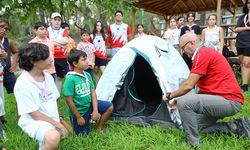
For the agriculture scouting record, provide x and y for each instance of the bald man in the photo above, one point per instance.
(219, 94)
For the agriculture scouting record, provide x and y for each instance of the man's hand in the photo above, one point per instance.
(80, 121)
(166, 97)
(173, 104)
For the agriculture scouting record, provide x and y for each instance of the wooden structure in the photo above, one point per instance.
(168, 8)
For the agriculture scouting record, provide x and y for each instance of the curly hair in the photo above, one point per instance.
(31, 53)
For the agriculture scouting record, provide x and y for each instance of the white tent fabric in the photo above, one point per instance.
(168, 66)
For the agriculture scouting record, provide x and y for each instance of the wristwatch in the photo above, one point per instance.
(168, 95)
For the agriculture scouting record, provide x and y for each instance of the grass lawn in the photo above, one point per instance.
(121, 135)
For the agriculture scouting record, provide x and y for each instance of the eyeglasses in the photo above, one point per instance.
(183, 47)
(4, 27)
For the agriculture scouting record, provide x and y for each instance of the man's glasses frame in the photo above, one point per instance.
(183, 47)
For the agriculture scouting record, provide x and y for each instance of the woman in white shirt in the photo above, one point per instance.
(172, 35)
(140, 30)
(213, 36)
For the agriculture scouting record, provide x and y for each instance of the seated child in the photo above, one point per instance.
(80, 95)
(36, 96)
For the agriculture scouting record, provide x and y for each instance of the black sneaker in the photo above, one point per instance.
(244, 88)
(243, 127)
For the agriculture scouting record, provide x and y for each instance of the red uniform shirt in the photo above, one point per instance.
(218, 77)
(118, 34)
(59, 52)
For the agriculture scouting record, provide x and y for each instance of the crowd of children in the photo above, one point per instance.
(53, 54)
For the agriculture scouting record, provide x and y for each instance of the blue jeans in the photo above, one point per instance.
(102, 108)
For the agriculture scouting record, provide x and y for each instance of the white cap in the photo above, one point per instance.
(55, 14)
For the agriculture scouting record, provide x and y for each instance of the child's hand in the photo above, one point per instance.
(95, 116)
(80, 121)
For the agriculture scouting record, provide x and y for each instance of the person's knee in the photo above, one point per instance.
(180, 104)
(52, 138)
(110, 109)
(246, 63)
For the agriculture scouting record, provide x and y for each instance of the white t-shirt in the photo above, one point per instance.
(172, 36)
(31, 97)
(212, 38)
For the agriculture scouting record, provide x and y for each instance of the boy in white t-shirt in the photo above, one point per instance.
(36, 95)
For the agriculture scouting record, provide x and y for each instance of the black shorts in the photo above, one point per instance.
(100, 62)
(61, 67)
(243, 51)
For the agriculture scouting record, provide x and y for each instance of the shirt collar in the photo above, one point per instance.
(197, 50)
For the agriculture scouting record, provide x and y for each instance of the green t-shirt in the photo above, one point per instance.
(79, 87)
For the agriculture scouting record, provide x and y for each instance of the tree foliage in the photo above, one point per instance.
(22, 14)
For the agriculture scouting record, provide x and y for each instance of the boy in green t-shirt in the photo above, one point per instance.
(81, 98)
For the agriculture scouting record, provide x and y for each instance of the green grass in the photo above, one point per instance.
(121, 135)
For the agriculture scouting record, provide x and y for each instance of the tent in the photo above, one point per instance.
(137, 76)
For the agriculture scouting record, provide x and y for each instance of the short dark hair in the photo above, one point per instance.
(191, 13)
(74, 56)
(64, 25)
(40, 24)
(139, 25)
(180, 18)
(119, 11)
(84, 31)
(31, 53)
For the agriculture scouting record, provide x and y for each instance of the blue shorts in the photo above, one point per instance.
(54, 76)
(102, 108)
